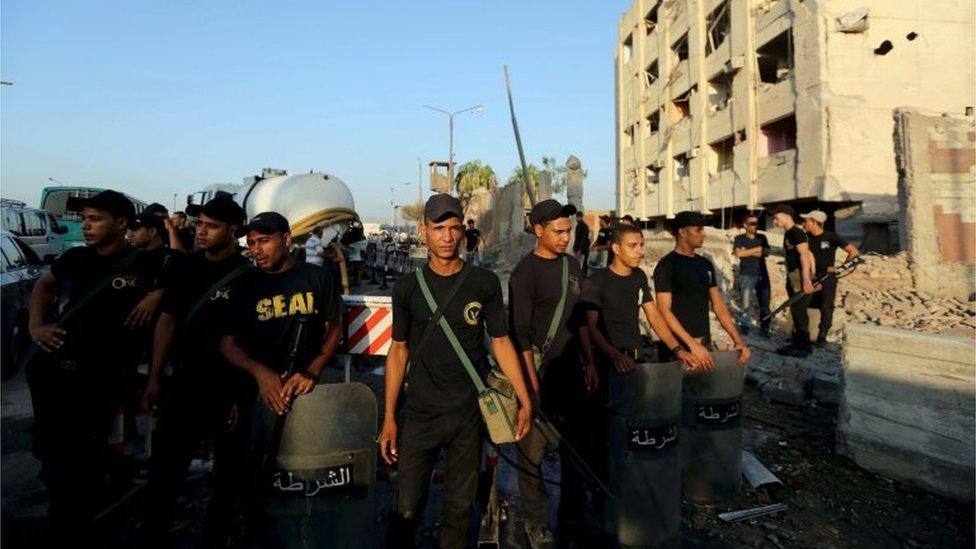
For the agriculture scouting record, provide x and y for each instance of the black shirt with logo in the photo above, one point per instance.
(471, 237)
(824, 248)
(581, 241)
(618, 299)
(97, 331)
(534, 291)
(687, 279)
(437, 381)
(793, 238)
(266, 310)
(752, 266)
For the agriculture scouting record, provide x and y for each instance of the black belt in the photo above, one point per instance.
(636, 354)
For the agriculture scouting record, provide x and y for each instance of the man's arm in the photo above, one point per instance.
(394, 374)
(590, 375)
(172, 237)
(725, 319)
(41, 304)
(508, 362)
(302, 382)
(806, 266)
(162, 340)
(621, 362)
(660, 327)
(697, 349)
(851, 251)
(741, 252)
(520, 303)
(268, 380)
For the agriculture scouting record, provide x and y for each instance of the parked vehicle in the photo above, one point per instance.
(20, 268)
(36, 228)
(55, 200)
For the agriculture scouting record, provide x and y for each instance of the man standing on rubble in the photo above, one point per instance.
(752, 248)
(440, 409)
(581, 242)
(799, 279)
(824, 245)
(685, 286)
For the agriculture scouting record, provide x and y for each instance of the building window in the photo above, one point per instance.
(628, 48)
(653, 123)
(650, 20)
(682, 105)
(718, 25)
(777, 136)
(681, 167)
(629, 137)
(651, 73)
(680, 48)
(719, 92)
(721, 155)
(775, 58)
(652, 175)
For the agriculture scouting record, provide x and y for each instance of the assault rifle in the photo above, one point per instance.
(841, 271)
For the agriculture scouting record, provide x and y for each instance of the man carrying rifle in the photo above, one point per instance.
(799, 279)
(269, 307)
(823, 246)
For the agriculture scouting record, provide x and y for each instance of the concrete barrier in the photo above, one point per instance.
(908, 406)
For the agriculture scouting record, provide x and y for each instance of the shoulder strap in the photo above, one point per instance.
(442, 322)
(98, 288)
(216, 286)
(557, 315)
(439, 312)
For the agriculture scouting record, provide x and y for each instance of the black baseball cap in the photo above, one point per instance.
(148, 220)
(222, 208)
(548, 210)
(110, 201)
(156, 208)
(267, 223)
(783, 208)
(442, 206)
(689, 219)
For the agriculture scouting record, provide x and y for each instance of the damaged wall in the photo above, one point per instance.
(937, 191)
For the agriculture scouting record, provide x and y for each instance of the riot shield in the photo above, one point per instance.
(711, 431)
(322, 492)
(644, 469)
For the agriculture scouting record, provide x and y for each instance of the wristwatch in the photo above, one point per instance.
(307, 375)
(677, 349)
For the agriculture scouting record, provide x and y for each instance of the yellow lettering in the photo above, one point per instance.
(297, 305)
(310, 302)
(264, 309)
(279, 306)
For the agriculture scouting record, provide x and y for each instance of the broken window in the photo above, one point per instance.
(653, 123)
(718, 24)
(719, 92)
(652, 175)
(651, 73)
(721, 156)
(778, 136)
(682, 105)
(629, 137)
(680, 48)
(628, 48)
(681, 169)
(775, 58)
(650, 20)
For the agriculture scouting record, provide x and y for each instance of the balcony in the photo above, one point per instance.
(680, 81)
(720, 125)
(715, 62)
(681, 135)
(776, 100)
(768, 16)
(776, 177)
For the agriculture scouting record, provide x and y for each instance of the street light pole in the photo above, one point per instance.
(420, 181)
(479, 109)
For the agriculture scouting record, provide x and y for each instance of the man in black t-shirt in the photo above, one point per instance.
(601, 247)
(799, 277)
(824, 245)
(472, 243)
(685, 286)
(75, 377)
(581, 242)
(752, 248)
(183, 231)
(198, 399)
(440, 409)
(552, 365)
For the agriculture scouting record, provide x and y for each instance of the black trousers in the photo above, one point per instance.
(74, 404)
(827, 295)
(801, 320)
(421, 440)
(193, 410)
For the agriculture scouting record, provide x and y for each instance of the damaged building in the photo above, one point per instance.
(732, 105)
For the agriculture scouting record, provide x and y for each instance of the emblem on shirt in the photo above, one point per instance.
(280, 306)
(124, 281)
(220, 294)
(471, 313)
(574, 285)
(825, 245)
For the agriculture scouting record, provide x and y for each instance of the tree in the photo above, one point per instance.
(471, 176)
(413, 212)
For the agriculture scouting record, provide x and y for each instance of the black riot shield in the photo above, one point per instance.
(711, 431)
(644, 469)
(321, 494)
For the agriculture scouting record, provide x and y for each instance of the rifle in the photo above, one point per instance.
(271, 458)
(841, 271)
(554, 437)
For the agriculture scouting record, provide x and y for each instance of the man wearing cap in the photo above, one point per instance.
(685, 286)
(472, 244)
(172, 238)
(752, 248)
(440, 409)
(76, 376)
(202, 397)
(799, 277)
(550, 349)
(824, 245)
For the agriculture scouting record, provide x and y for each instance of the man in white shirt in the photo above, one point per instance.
(313, 249)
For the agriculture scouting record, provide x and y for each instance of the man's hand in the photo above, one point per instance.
(48, 336)
(831, 269)
(808, 287)
(591, 377)
(690, 361)
(232, 416)
(300, 383)
(170, 227)
(269, 387)
(705, 361)
(623, 363)
(388, 441)
(744, 352)
(150, 397)
(524, 422)
(143, 312)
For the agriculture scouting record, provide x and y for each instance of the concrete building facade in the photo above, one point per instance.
(728, 105)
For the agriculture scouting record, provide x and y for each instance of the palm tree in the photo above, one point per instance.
(474, 175)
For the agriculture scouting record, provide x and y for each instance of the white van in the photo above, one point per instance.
(36, 228)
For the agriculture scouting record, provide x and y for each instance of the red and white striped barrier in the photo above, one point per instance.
(368, 325)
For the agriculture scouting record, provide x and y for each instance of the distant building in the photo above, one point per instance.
(728, 105)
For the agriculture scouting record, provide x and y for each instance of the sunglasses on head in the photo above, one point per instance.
(752, 223)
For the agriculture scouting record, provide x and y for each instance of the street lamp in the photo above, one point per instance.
(478, 109)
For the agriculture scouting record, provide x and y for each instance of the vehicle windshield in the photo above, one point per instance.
(56, 201)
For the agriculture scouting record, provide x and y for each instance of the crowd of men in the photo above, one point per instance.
(217, 331)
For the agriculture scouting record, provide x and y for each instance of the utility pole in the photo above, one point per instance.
(420, 181)
(479, 109)
(526, 177)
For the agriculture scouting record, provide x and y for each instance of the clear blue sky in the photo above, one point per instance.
(157, 98)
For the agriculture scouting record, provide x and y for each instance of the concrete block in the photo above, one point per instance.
(825, 388)
(908, 408)
(785, 391)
